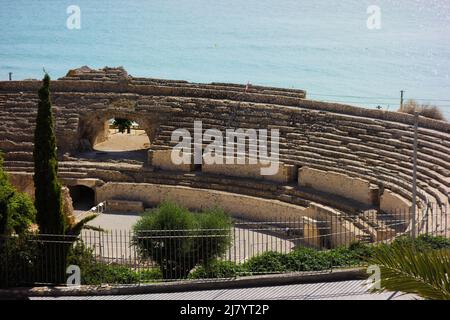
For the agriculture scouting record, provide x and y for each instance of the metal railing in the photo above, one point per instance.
(248, 247)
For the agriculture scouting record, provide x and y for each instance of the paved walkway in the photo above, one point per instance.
(345, 290)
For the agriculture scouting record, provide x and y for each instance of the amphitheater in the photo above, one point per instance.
(341, 161)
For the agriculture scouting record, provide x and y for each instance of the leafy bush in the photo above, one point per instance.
(112, 274)
(6, 193)
(216, 269)
(17, 211)
(23, 212)
(425, 242)
(307, 259)
(95, 272)
(18, 261)
(178, 240)
(360, 250)
(150, 275)
(355, 254)
(300, 259)
(266, 263)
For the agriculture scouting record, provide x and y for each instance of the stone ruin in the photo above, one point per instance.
(336, 160)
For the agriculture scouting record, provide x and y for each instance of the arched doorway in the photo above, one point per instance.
(101, 138)
(83, 198)
(122, 134)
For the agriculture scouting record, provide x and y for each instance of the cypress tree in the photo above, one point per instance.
(48, 201)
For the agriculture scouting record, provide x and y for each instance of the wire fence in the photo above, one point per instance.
(296, 244)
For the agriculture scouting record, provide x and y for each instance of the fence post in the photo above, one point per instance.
(3, 247)
(414, 189)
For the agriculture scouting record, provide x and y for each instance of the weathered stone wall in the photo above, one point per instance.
(284, 174)
(124, 206)
(161, 159)
(394, 203)
(355, 189)
(199, 199)
(23, 182)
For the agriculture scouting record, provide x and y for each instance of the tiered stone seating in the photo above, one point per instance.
(372, 145)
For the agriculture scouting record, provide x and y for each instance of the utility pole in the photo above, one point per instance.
(414, 190)
(401, 100)
(10, 76)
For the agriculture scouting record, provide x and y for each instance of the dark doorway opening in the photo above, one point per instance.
(83, 198)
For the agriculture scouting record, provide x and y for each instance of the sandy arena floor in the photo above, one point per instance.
(117, 141)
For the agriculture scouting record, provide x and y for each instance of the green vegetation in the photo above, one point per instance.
(50, 217)
(17, 211)
(217, 269)
(425, 110)
(418, 270)
(95, 273)
(424, 242)
(307, 259)
(300, 259)
(17, 214)
(122, 124)
(18, 263)
(201, 237)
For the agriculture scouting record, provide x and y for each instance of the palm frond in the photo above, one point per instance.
(88, 227)
(405, 269)
(82, 224)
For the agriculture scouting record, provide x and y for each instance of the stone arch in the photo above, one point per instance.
(93, 129)
(83, 197)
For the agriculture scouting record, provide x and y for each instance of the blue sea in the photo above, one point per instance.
(324, 47)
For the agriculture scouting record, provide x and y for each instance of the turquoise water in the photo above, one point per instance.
(321, 46)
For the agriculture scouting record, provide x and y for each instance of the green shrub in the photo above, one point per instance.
(95, 272)
(360, 250)
(355, 254)
(216, 269)
(150, 275)
(18, 260)
(178, 240)
(424, 242)
(17, 211)
(23, 212)
(307, 259)
(6, 193)
(267, 262)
